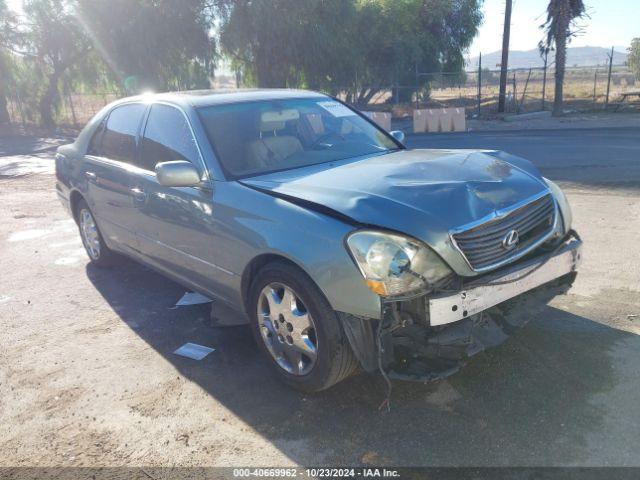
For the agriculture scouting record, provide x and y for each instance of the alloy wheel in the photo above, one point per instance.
(287, 329)
(89, 232)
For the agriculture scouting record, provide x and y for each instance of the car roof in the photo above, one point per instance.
(205, 98)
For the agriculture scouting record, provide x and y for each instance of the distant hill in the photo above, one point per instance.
(576, 56)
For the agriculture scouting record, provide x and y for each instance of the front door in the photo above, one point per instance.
(175, 224)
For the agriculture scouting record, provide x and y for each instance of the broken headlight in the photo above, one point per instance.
(393, 264)
(563, 204)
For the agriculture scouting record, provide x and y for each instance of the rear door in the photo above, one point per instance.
(110, 157)
(174, 224)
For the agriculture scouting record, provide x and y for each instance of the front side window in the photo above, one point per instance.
(253, 138)
(118, 140)
(167, 137)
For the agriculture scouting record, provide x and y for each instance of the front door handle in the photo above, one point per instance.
(90, 175)
(139, 194)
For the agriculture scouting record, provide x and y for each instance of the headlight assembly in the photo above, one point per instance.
(393, 264)
(563, 204)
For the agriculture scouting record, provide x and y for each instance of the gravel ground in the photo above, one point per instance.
(88, 377)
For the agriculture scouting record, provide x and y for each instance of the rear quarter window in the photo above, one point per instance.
(94, 143)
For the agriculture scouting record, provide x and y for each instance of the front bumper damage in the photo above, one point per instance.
(430, 337)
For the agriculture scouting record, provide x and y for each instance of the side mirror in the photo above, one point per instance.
(398, 135)
(179, 173)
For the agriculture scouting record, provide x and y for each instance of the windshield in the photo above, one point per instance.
(253, 138)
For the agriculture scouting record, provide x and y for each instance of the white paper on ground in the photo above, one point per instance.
(194, 351)
(192, 298)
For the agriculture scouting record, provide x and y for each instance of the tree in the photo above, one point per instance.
(263, 37)
(633, 59)
(134, 44)
(8, 38)
(55, 38)
(362, 46)
(152, 44)
(560, 26)
(5, 75)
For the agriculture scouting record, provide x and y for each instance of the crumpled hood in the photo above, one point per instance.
(422, 193)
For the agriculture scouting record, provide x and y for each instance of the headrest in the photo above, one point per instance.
(270, 126)
(275, 120)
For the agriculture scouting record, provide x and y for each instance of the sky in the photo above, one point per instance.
(612, 23)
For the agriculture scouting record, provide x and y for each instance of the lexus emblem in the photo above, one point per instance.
(510, 240)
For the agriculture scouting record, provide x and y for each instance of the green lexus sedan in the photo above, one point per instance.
(297, 215)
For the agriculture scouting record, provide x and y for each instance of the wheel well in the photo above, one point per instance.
(74, 201)
(256, 265)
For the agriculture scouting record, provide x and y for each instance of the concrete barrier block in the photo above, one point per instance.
(446, 120)
(433, 120)
(419, 121)
(426, 120)
(439, 120)
(459, 120)
(383, 119)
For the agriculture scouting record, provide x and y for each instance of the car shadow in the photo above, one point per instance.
(529, 401)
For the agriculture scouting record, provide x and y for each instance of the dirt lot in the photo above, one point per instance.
(88, 377)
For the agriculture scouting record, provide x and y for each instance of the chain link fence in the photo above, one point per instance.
(74, 109)
(528, 90)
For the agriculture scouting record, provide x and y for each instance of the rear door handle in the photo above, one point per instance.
(139, 194)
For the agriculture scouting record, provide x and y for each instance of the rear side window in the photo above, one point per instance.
(94, 144)
(167, 137)
(118, 140)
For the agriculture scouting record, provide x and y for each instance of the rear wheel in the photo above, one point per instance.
(297, 329)
(99, 254)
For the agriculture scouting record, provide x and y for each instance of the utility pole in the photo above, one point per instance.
(544, 78)
(417, 87)
(606, 100)
(505, 56)
(479, 83)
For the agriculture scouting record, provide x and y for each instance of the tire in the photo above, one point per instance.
(99, 254)
(334, 360)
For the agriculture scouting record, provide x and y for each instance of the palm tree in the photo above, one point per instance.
(560, 26)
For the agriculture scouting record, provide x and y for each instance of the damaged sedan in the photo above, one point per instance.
(342, 249)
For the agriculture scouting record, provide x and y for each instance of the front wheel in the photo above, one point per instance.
(298, 330)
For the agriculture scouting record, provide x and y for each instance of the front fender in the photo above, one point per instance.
(250, 223)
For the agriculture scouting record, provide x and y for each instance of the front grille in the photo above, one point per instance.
(483, 245)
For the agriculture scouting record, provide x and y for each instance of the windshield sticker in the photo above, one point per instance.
(336, 109)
